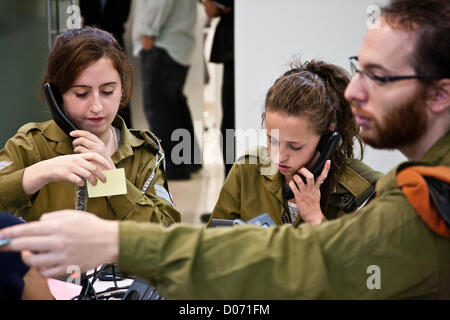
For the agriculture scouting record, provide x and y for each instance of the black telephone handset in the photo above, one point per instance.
(54, 101)
(326, 147)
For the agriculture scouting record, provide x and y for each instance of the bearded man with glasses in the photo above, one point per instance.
(398, 246)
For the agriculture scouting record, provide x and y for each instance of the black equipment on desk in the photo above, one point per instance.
(141, 290)
(263, 220)
(138, 290)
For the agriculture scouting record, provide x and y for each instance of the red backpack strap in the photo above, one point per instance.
(412, 181)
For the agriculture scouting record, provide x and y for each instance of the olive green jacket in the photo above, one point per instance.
(383, 251)
(254, 186)
(137, 154)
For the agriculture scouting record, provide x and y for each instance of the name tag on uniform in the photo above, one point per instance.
(115, 184)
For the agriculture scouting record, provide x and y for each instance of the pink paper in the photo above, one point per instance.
(63, 290)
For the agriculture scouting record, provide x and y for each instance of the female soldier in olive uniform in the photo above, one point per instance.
(41, 168)
(304, 104)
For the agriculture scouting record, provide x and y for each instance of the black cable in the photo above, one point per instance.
(90, 285)
(114, 275)
(112, 292)
(118, 292)
(97, 274)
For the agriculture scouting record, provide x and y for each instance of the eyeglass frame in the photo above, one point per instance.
(386, 79)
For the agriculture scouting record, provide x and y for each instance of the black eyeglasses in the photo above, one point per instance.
(354, 67)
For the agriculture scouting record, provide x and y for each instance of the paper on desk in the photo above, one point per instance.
(115, 184)
(63, 290)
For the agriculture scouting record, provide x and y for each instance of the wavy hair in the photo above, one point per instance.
(316, 89)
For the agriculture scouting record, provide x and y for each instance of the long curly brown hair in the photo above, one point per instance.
(316, 89)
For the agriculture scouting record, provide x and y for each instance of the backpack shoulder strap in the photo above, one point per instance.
(427, 189)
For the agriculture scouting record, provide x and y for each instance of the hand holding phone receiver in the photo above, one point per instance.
(326, 147)
(54, 101)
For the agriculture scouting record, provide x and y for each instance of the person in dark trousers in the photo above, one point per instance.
(222, 51)
(111, 16)
(164, 39)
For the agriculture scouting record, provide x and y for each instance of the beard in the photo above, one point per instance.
(403, 125)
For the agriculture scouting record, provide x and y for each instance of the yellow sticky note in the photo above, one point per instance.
(115, 184)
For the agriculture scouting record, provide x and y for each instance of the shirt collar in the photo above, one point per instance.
(439, 150)
(54, 133)
(273, 179)
(128, 141)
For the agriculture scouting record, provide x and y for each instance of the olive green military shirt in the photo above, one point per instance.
(254, 186)
(138, 154)
(383, 251)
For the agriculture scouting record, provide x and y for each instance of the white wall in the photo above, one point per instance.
(268, 34)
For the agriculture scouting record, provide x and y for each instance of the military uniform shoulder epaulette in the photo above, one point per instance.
(353, 188)
(259, 154)
(150, 139)
(365, 171)
(40, 126)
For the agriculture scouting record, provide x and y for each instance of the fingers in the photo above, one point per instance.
(81, 149)
(296, 185)
(75, 168)
(75, 179)
(305, 179)
(36, 228)
(34, 236)
(48, 264)
(41, 259)
(92, 156)
(90, 167)
(85, 134)
(309, 177)
(89, 176)
(323, 175)
(294, 188)
(89, 145)
(32, 243)
(55, 242)
(59, 215)
(90, 172)
(25, 254)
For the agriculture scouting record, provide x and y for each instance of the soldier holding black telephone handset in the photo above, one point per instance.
(307, 173)
(44, 166)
